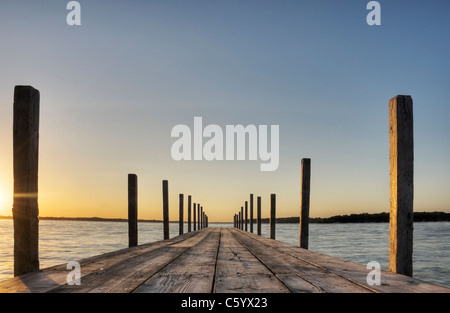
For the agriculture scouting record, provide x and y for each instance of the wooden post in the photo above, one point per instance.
(181, 222)
(132, 210)
(198, 216)
(200, 220)
(203, 219)
(207, 221)
(272, 215)
(242, 218)
(25, 159)
(195, 212)
(258, 213)
(246, 215)
(251, 213)
(189, 213)
(304, 202)
(401, 139)
(166, 209)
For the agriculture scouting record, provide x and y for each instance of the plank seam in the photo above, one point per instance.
(320, 267)
(213, 287)
(162, 268)
(270, 270)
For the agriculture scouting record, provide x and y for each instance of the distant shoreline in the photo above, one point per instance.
(352, 218)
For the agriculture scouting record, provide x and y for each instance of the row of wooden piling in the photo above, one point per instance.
(25, 203)
(241, 220)
(199, 221)
(401, 156)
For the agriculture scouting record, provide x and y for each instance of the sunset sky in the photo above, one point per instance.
(113, 88)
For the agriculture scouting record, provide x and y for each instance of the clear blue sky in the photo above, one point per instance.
(113, 88)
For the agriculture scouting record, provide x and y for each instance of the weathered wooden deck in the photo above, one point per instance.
(215, 260)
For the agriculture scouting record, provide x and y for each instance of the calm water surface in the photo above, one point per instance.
(64, 241)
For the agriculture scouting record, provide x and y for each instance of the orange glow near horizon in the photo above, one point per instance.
(5, 206)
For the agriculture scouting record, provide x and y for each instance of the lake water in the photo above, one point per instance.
(64, 241)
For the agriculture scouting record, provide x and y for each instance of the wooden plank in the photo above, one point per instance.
(127, 275)
(238, 271)
(216, 260)
(55, 276)
(192, 272)
(294, 272)
(390, 282)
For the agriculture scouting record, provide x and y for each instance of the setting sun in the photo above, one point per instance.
(4, 207)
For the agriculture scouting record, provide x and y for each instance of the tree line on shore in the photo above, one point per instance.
(368, 218)
(352, 218)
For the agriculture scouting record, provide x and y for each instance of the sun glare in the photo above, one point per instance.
(4, 210)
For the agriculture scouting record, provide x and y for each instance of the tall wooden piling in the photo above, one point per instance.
(166, 209)
(304, 202)
(272, 215)
(181, 214)
(25, 159)
(246, 215)
(189, 213)
(195, 213)
(251, 213)
(401, 157)
(242, 218)
(201, 218)
(258, 216)
(132, 210)
(198, 216)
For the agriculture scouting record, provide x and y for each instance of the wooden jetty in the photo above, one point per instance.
(211, 260)
(215, 260)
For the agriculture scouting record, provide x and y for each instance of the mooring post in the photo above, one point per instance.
(258, 214)
(272, 215)
(181, 222)
(189, 213)
(200, 221)
(251, 213)
(25, 198)
(246, 215)
(304, 202)
(132, 210)
(166, 209)
(195, 212)
(242, 218)
(198, 216)
(401, 158)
